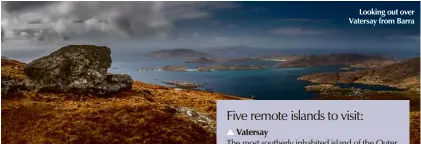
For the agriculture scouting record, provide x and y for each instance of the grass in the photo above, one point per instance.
(414, 127)
(136, 116)
(113, 120)
(12, 69)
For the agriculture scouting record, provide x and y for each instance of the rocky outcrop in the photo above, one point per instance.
(11, 86)
(405, 75)
(80, 69)
(331, 59)
(12, 77)
(201, 119)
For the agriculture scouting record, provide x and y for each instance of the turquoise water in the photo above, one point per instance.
(265, 84)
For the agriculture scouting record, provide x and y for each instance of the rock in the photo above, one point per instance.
(201, 119)
(9, 86)
(80, 69)
(118, 82)
(192, 113)
(12, 77)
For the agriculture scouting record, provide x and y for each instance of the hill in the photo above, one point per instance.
(330, 59)
(405, 75)
(177, 53)
(145, 113)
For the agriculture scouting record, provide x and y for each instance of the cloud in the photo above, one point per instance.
(126, 19)
(2, 34)
(292, 31)
(301, 20)
(67, 38)
(404, 37)
(14, 6)
(232, 26)
(216, 23)
(23, 34)
(259, 9)
(195, 35)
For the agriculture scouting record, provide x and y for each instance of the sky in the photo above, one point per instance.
(31, 27)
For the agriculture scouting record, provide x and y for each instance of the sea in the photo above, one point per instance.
(262, 84)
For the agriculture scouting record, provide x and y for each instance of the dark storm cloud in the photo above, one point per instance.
(78, 21)
(67, 38)
(15, 6)
(123, 24)
(2, 34)
(129, 19)
(35, 22)
(40, 38)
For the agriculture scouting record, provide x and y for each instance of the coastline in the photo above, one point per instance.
(187, 109)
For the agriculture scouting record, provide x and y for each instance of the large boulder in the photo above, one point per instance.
(80, 69)
(12, 77)
(11, 86)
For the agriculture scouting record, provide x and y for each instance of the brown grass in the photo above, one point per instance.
(135, 116)
(415, 127)
(12, 69)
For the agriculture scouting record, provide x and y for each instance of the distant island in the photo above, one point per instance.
(241, 59)
(331, 59)
(220, 60)
(233, 48)
(369, 64)
(404, 75)
(226, 68)
(173, 68)
(177, 53)
(200, 60)
(204, 68)
(373, 64)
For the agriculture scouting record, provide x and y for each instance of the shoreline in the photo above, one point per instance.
(191, 112)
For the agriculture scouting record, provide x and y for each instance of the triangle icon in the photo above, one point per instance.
(230, 132)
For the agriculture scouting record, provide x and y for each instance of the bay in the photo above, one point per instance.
(263, 84)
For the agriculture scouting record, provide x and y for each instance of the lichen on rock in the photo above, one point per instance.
(80, 69)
